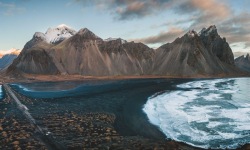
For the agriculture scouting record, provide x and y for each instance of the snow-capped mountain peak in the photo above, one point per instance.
(58, 34)
(55, 35)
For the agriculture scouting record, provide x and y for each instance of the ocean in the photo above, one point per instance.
(207, 113)
(1, 92)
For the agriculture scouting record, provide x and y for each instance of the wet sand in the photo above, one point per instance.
(100, 120)
(44, 78)
(72, 131)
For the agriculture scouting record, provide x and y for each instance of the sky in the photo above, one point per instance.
(152, 22)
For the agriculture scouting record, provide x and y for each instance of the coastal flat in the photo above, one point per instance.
(102, 114)
(44, 78)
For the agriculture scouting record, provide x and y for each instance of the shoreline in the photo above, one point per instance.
(168, 142)
(29, 78)
(91, 129)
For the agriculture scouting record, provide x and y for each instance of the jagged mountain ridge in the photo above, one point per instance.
(205, 53)
(93, 56)
(243, 63)
(217, 45)
(84, 53)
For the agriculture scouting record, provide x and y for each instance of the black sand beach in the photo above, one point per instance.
(105, 115)
(102, 115)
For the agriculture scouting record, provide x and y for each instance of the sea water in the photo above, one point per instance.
(211, 113)
(1, 92)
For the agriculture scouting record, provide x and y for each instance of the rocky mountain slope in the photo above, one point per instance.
(203, 53)
(85, 53)
(243, 62)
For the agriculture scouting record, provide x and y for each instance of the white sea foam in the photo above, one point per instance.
(1, 92)
(210, 110)
(22, 87)
(48, 88)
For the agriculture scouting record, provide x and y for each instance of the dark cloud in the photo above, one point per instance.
(129, 9)
(198, 14)
(236, 29)
(203, 13)
(133, 10)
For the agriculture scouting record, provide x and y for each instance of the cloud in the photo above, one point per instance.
(211, 7)
(200, 13)
(129, 9)
(136, 9)
(139, 9)
(9, 9)
(203, 13)
(133, 10)
(162, 37)
(193, 14)
(236, 29)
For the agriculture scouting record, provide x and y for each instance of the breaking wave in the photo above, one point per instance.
(207, 114)
(1, 92)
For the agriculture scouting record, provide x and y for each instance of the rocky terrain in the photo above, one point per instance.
(16, 133)
(69, 129)
(195, 53)
(84, 53)
(243, 62)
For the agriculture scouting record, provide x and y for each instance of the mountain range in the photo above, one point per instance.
(7, 57)
(64, 51)
(243, 62)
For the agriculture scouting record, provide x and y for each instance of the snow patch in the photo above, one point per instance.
(56, 35)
